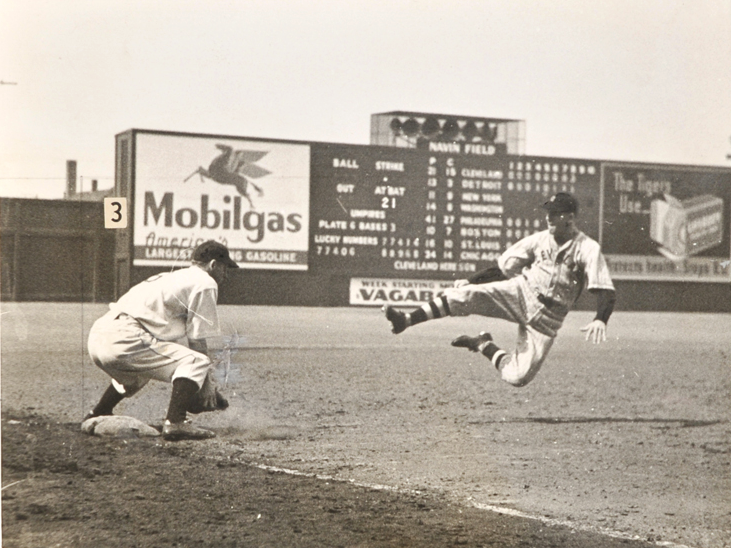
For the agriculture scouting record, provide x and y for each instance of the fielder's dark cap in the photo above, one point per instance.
(562, 202)
(210, 250)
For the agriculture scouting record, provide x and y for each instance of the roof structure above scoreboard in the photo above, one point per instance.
(408, 129)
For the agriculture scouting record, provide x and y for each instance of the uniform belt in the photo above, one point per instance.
(124, 315)
(552, 304)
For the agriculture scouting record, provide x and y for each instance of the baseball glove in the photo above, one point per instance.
(208, 398)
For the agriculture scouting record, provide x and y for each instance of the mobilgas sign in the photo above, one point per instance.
(252, 196)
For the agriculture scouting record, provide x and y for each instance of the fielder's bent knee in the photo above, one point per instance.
(195, 367)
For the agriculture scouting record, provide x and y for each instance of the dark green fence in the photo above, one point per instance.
(55, 250)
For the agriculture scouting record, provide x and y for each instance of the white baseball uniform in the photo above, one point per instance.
(135, 341)
(544, 281)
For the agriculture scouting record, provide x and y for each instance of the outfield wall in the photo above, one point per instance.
(332, 224)
(55, 250)
(268, 288)
(329, 224)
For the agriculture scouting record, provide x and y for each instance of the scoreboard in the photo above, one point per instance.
(443, 212)
(440, 211)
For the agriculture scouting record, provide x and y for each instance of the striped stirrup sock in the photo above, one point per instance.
(437, 308)
(493, 353)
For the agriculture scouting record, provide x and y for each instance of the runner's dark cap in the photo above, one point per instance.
(210, 250)
(562, 202)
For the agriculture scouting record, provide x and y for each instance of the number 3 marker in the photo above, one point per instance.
(115, 212)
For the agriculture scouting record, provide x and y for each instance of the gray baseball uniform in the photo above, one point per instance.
(544, 281)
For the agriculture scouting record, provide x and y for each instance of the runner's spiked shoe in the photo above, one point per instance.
(397, 319)
(472, 344)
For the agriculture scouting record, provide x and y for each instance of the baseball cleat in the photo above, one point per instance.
(472, 343)
(176, 431)
(92, 415)
(397, 319)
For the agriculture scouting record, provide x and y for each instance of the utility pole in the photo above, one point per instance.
(70, 179)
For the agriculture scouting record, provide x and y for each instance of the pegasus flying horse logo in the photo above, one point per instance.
(235, 167)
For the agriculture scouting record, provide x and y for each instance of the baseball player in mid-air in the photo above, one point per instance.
(535, 283)
(135, 341)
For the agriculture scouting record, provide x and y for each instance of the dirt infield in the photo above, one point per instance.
(630, 439)
(81, 492)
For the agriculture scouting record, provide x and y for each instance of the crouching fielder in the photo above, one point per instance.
(535, 283)
(136, 341)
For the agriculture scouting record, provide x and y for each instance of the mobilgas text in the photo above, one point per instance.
(228, 217)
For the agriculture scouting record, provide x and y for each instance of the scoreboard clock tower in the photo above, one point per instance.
(463, 133)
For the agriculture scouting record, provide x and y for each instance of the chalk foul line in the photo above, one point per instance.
(478, 505)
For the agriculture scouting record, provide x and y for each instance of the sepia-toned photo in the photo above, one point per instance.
(317, 273)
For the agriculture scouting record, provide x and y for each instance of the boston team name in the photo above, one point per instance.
(228, 219)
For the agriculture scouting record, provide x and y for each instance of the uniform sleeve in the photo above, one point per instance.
(202, 315)
(488, 275)
(595, 269)
(605, 299)
(517, 257)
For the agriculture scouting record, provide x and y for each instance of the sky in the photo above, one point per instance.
(631, 80)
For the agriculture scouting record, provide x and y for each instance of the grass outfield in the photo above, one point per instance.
(631, 436)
